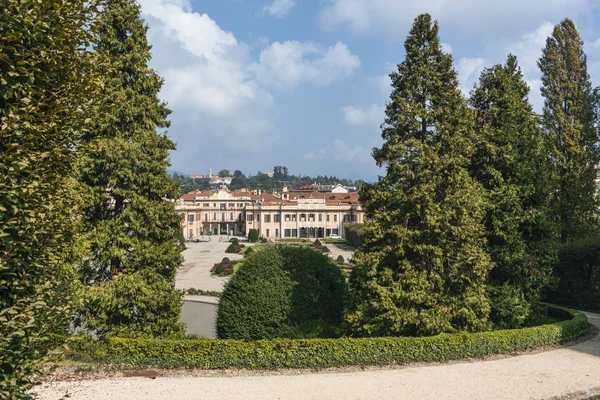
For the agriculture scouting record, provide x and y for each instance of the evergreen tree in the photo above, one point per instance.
(511, 164)
(47, 90)
(130, 224)
(570, 121)
(422, 267)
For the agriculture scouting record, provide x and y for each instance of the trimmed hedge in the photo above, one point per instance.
(324, 353)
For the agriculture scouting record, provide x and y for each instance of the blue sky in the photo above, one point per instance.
(303, 83)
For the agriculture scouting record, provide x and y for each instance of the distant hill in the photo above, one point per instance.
(172, 172)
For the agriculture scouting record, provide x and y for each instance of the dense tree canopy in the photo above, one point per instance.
(129, 223)
(422, 267)
(47, 91)
(570, 121)
(511, 163)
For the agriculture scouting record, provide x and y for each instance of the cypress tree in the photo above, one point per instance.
(130, 225)
(570, 121)
(46, 94)
(422, 266)
(512, 165)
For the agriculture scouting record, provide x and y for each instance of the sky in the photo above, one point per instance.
(303, 83)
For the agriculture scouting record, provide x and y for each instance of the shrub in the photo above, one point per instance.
(249, 250)
(225, 267)
(263, 240)
(202, 292)
(235, 241)
(578, 270)
(353, 233)
(225, 260)
(325, 249)
(317, 243)
(340, 259)
(509, 308)
(282, 292)
(325, 353)
(252, 235)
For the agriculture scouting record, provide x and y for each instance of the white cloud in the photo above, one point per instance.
(468, 71)
(372, 116)
(340, 152)
(482, 17)
(293, 62)
(279, 8)
(446, 47)
(206, 77)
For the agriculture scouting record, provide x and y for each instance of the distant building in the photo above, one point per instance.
(213, 179)
(302, 213)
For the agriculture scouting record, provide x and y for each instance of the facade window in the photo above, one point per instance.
(302, 217)
(222, 216)
(257, 217)
(320, 217)
(276, 232)
(206, 205)
(267, 218)
(353, 218)
(294, 232)
(335, 231)
(250, 218)
(267, 233)
(240, 217)
(294, 217)
(240, 205)
(214, 216)
(327, 217)
(277, 218)
(287, 217)
(287, 233)
(223, 206)
(335, 218)
(231, 205)
(205, 217)
(311, 217)
(231, 216)
(215, 205)
(191, 218)
(346, 217)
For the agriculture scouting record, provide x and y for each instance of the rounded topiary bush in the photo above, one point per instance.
(231, 249)
(249, 250)
(283, 292)
(340, 259)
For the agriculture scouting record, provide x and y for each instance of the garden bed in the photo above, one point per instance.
(324, 353)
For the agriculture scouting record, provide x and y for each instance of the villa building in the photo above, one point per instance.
(306, 212)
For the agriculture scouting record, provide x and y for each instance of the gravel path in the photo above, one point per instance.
(572, 371)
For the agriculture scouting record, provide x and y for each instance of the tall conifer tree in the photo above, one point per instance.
(130, 224)
(570, 121)
(512, 165)
(46, 94)
(422, 267)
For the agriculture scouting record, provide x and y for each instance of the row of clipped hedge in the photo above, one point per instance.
(324, 353)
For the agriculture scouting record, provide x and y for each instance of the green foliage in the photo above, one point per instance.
(578, 271)
(249, 250)
(511, 164)
(263, 240)
(325, 249)
(232, 248)
(353, 234)
(235, 241)
(225, 267)
(324, 353)
(47, 91)
(282, 292)
(129, 305)
(340, 259)
(130, 225)
(570, 121)
(510, 309)
(317, 243)
(422, 266)
(253, 236)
